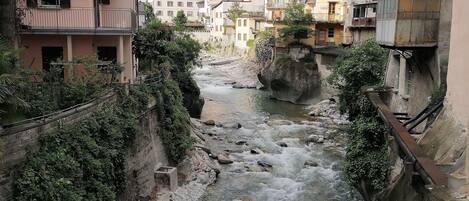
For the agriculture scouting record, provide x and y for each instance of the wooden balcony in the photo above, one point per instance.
(408, 23)
(78, 21)
(328, 18)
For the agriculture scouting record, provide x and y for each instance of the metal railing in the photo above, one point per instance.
(328, 17)
(415, 156)
(364, 22)
(79, 19)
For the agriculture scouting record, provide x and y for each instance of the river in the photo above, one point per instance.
(265, 122)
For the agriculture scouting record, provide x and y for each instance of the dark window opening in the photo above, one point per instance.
(330, 32)
(332, 7)
(105, 2)
(108, 54)
(50, 55)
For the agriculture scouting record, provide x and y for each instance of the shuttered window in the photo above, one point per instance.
(31, 3)
(65, 3)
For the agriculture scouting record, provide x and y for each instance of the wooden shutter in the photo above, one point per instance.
(65, 3)
(31, 3)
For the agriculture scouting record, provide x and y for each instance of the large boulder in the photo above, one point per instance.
(293, 76)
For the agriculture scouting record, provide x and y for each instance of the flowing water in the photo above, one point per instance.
(264, 123)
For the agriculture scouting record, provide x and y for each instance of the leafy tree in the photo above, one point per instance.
(148, 11)
(361, 66)
(366, 162)
(180, 21)
(10, 85)
(235, 11)
(296, 21)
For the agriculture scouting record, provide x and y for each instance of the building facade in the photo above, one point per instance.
(68, 29)
(360, 21)
(247, 28)
(166, 10)
(223, 28)
(328, 16)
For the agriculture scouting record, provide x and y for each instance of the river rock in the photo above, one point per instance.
(310, 163)
(209, 123)
(224, 159)
(232, 125)
(256, 151)
(282, 144)
(315, 139)
(293, 76)
(241, 142)
(264, 164)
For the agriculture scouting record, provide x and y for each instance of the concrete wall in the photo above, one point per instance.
(456, 96)
(146, 155)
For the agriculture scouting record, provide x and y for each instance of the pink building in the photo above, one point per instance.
(67, 29)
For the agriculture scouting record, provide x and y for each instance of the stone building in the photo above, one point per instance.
(248, 26)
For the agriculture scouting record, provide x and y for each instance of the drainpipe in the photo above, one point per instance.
(96, 14)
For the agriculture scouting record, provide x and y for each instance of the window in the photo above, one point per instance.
(158, 3)
(239, 36)
(245, 37)
(330, 32)
(245, 22)
(216, 28)
(239, 22)
(189, 13)
(159, 13)
(356, 12)
(332, 7)
(105, 2)
(169, 3)
(170, 13)
(50, 55)
(362, 11)
(180, 4)
(49, 3)
(189, 4)
(257, 26)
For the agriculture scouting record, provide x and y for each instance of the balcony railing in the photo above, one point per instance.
(328, 17)
(276, 5)
(79, 20)
(364, 22)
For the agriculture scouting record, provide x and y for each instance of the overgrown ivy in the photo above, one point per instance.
(83, 160)
(366, 163)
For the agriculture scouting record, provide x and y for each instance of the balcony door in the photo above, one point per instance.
(332, 7)
(49, 56)
(107, 54)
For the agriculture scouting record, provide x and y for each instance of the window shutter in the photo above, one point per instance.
(65, 3)
(31, 3)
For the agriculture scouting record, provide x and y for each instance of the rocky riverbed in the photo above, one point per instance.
(252, 147)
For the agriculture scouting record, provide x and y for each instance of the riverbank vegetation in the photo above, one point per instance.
(366, 164)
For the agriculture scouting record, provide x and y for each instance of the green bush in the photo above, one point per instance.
(367, 155)
(82, 161)
(366, 159)
(362, 65)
